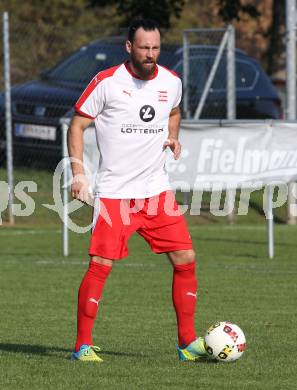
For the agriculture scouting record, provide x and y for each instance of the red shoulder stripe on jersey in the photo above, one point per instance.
(171, 71)
(83, 113)
(92, 85)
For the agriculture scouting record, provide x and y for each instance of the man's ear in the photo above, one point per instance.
(128, 46)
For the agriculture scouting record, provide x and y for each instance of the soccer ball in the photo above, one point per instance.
(225, 341)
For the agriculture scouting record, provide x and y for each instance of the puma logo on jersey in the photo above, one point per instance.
(127, 92)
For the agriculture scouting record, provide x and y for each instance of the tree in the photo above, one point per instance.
(43, 35)
(231, 9)
(275, 35)
(235, 10)
(159, 10)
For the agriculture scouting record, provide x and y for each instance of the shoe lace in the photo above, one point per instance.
(88, 351)
(95, 348)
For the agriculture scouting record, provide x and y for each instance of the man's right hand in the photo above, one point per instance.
(80, 189)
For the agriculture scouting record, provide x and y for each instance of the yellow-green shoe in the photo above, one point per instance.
(194, 351)
(87, 353)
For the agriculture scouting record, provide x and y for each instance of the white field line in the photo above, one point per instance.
(228, 227)
(63, 262)
(27, 232)
(66, 262)
(245, 267)
(9, 232)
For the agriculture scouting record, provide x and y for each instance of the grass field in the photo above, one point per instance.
(136, 324)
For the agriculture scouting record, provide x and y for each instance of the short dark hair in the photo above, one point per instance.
(146, 24)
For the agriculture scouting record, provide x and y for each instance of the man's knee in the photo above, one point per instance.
(102, 260)
(182, 256)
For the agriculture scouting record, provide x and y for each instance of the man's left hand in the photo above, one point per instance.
(174, 145)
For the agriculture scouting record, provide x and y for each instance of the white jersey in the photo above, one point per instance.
(131, 119)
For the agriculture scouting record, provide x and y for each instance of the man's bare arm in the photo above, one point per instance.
(173, 127)
(75, 141)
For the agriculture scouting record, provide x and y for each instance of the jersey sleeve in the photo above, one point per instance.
(178, 93)
(92, 100)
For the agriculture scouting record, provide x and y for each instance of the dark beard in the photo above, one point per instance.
(142, 71)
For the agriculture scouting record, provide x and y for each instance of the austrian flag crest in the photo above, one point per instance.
(163, 96)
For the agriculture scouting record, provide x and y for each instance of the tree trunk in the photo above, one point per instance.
(275, 36)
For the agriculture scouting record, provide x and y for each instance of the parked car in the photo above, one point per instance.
(38, 105)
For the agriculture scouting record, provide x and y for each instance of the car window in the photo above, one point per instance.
(84, 64)
(197, 72)
(246, 74)
(200, 67)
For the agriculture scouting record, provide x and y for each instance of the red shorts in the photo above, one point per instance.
(157, 219)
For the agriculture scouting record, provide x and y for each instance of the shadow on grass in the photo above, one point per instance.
(201, 361)
(126, 354)
(42, 350)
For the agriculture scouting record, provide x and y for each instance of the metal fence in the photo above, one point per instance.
(209, 74)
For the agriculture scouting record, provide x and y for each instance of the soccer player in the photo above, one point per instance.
(135, 106)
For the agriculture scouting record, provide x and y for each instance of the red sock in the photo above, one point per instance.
(89, 294)
(184, 289)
